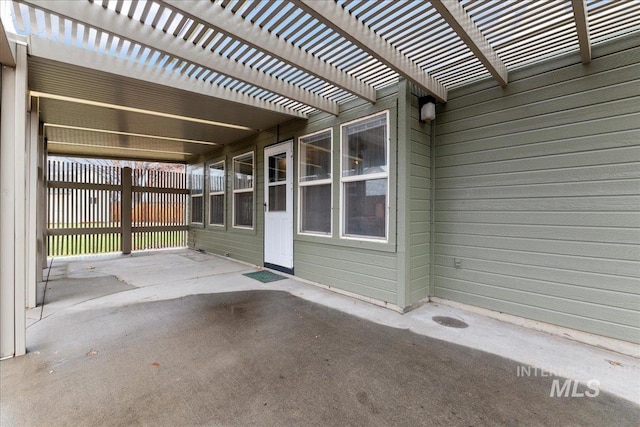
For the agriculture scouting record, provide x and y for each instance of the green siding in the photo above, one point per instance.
(370, 269)
(242, 244)
(364, 272)
(365, 268)
(537, 193)
(419, 205)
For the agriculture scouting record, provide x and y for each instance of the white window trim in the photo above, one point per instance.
(312, 183)
(243, 190)
(193, 196)
(365, 177)
(218, 193)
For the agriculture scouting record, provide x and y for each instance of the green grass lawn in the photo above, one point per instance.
(111, 242)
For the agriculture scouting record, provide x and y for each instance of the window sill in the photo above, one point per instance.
(244, 230)
(217, 227)
(373, 245)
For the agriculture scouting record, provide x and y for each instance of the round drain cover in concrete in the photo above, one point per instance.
(449, 321)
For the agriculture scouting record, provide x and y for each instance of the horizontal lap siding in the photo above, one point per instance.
(369, 269)
(351, 265)
(247, 248)
(419, 205)
(364, 272)
(244, 245)
(538, 192)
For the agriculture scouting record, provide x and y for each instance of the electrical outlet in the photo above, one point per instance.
(457, 263)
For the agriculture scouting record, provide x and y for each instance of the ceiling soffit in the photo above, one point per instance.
(258, 63)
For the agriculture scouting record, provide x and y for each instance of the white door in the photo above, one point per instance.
(278, 206)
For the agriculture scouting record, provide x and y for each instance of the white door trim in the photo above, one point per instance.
(278, 225)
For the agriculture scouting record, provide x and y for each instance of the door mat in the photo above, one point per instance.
(264, 276)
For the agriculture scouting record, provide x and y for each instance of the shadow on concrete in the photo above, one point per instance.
(269, 358)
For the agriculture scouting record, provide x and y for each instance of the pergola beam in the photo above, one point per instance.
(460, 22)
(145, 35)
(335, 17)
(7, 50)
(224, 21)
(582, 28)
(42, 48)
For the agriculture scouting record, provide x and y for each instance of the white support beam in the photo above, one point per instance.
(7, 50)
(83, 101)
(334, 16)
(455, 15)
(20, 232)
(32, 200)
(145, 35)
(224, 21)
(13, 178)
(47, 49)
(582, 27)
(138, 135)
(41, 206)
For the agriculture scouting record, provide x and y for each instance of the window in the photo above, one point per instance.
(216, 193)
(314, 156)
(365, 177)
(243, 191)
(196, 185)
(277, 183)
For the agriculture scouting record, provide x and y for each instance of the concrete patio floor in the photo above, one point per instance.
(183, 338)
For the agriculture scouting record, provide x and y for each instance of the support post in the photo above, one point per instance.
(432, 212)
(32, 198)
(44, 201)
(13, 179)
(125, 214)
(41, 206)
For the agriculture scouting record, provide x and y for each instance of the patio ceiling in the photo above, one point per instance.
(166, 80)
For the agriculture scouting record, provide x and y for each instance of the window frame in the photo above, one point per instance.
(365, 177)
(244, 190)
(325, 181)
(193, 196)
(222, 193)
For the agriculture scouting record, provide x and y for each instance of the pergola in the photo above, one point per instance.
(168, 79)
(171, 80)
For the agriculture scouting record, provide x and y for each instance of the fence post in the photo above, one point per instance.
(126, 207)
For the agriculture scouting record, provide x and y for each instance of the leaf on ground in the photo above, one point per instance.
(92, 352)
(613, 362)
(155, 364)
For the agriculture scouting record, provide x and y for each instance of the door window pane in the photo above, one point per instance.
(278, 168)
(277, 198)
